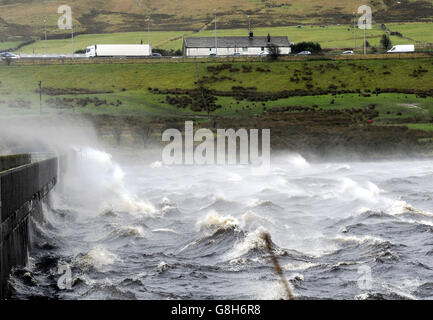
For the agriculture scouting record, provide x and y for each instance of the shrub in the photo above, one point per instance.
(385, 42)
(313, 47)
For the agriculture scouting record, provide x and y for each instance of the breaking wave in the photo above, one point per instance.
(145, 231)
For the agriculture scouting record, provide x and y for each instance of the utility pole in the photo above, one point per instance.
(216, 39)
(354, 30)
(365, 36)
(202, 91)
(40, 97)
(45, 27)
(73, 52)
(148, 31)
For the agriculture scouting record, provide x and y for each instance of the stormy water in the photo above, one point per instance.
(131, 228)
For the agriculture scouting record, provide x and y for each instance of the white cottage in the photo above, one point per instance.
(228, 46)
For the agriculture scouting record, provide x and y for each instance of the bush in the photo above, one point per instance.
(385, 42)
(168, 53)
(313, 47)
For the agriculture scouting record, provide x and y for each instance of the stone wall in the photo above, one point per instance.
(13, 161)
(22, 191)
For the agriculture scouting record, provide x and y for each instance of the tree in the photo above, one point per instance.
(307, 46)
(274, 51)
(170, 52)
(385, 42)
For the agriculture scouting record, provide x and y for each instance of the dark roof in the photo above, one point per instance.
(232, 42)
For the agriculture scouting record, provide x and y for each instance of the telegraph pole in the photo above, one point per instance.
(72, 28)
(216, 39)
(365, 36)
(148, 31)
(45, 27)
(40, 97)
(354, 29)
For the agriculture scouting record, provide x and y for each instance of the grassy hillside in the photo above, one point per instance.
(337, 36)
(363, 74)
(399, 90)
(25, 17)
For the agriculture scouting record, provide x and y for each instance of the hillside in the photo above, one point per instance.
(24, 18)
(365, 106)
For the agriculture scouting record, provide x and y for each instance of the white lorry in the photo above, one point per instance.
(119, 51)
(402, 48)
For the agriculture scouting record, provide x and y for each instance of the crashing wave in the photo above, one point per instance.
(98, 258)
(214, 221)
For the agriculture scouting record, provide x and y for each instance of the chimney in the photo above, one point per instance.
(251, 35)
(269, 38)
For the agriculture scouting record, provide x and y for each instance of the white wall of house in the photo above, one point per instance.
(249, 51)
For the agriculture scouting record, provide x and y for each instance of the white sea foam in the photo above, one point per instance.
(401, 207)
(253, 240)
(298, 266)
(135, 231)
(360, 240)
(165, 230)
(215, 220)
(156, 164)
(296, 161)
(99, 258)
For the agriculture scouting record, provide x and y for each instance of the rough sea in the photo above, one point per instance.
(131, 229)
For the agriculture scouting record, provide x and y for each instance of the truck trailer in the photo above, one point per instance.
(119, 51)
(402, 48)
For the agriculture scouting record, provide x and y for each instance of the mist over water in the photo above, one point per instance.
(132, 228)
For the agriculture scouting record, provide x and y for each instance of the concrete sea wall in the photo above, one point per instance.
(23, 187)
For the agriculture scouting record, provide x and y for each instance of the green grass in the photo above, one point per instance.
(420, 32)
(129, 83)
(337, 36)
(420, 126)
(157, 38)
(364, 74)
(4, 45)
(389, 105)
(137, 104)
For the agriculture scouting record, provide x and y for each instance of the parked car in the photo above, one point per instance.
(156, 55)
(304, 53)
(213, 55)
(9, 55)
(237, 54)
(348, 52)
(264, 53)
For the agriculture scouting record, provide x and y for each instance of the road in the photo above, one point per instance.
(52, 56)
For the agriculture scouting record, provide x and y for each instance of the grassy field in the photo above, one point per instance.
(5, 45)
(420, 126)
(388, 105)
(341, 36)
(365, 74)
(130, 83)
